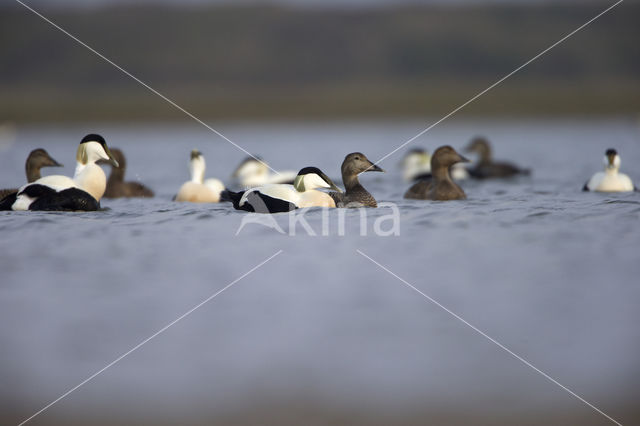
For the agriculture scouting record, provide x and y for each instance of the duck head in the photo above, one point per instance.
(41, 158)
(197, 166)
(118, 156)
(445, 157)
(480, 145)
(37, 159)
(611, 160)
(250, 167)
(92, 149)
(310, 178)
(356, 163)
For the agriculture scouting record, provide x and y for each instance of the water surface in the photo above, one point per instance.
(319, 333)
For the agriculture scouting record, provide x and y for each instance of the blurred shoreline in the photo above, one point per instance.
(285, 63)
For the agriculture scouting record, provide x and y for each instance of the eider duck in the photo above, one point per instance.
(199, 190)
(355, 195)
(610, 180)
(277, 198)
(117, 187)
(82, 192)
(441, 187)
(486, 167)
(253, 171)
(37, 159)
(416, 165)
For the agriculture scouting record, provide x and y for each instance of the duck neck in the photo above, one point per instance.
(197, 171)
(90, 178)
(351, 182)
(485, 156)
(33, 172)
(611, 171)
(441, 173)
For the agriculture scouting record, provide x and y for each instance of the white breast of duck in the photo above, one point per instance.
(611, 180)
(88, 176)
(197, 190)
(303, 193)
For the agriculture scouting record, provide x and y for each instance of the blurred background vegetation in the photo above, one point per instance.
(286, 62)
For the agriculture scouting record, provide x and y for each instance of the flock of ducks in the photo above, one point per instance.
(433, 176)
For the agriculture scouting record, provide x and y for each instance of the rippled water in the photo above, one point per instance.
(320, 334)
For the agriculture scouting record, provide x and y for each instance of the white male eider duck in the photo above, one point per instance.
(610, 180)
(486, 168)
(416, 165)
(355, 195)
(117, 187)
(199, 190)
(441, 187)
(277, 198)
(37, 159)
(253, 171)
(57, 192)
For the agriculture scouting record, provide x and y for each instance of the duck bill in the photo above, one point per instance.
(330, 182)
(111, 159)
(54, 163)
(463, 159)
(374, 168)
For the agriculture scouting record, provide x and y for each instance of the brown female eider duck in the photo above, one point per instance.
(355, 195)
(37, 159)
(486, 167)
(441, 187)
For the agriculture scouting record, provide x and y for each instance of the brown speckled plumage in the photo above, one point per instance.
(355, 195)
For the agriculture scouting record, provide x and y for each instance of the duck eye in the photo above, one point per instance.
(357, 158)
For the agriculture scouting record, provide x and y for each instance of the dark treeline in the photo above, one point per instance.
(234, 62)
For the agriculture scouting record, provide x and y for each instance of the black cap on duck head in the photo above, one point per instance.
(195, 153)
(299, 182)
(82, 153)
(446, 156)
(94, 138)
(308, 170)
(356, 163)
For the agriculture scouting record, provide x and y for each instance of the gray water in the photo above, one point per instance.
(548, 271)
